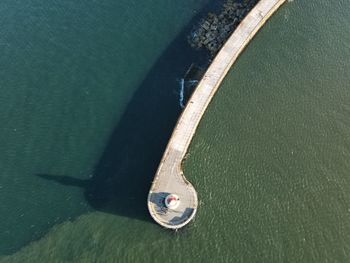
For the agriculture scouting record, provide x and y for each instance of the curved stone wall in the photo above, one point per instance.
(169, 178)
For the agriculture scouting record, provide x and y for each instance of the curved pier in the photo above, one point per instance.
(169, 178)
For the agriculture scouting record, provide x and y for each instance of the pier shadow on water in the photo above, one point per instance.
(124, 173)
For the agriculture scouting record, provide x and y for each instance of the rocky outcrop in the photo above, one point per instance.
(213, 31)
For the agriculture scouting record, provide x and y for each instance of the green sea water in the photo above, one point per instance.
(86, 115)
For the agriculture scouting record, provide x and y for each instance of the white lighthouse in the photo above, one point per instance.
(172, 201)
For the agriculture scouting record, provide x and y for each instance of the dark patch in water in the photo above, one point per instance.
(124, 173)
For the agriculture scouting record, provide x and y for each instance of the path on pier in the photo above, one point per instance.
(169, 177)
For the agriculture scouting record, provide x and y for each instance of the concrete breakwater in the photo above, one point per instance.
(172, 200)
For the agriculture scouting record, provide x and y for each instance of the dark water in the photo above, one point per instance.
(89, 95)
(81, 84)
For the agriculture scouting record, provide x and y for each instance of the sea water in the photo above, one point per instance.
(87, 115)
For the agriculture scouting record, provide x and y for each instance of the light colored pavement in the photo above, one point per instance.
(169, 177)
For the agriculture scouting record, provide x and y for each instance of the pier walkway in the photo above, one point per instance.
(169, 178)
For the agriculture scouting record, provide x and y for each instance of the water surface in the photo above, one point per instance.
(270, 160)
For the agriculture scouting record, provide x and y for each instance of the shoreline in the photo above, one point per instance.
(170, 178)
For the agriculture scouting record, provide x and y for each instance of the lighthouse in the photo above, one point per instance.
(172, 201)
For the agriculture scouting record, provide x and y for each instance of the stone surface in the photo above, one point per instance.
(169, 177)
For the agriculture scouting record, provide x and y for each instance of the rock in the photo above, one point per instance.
(213, 31)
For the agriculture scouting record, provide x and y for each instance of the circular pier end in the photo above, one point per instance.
(172, 201)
